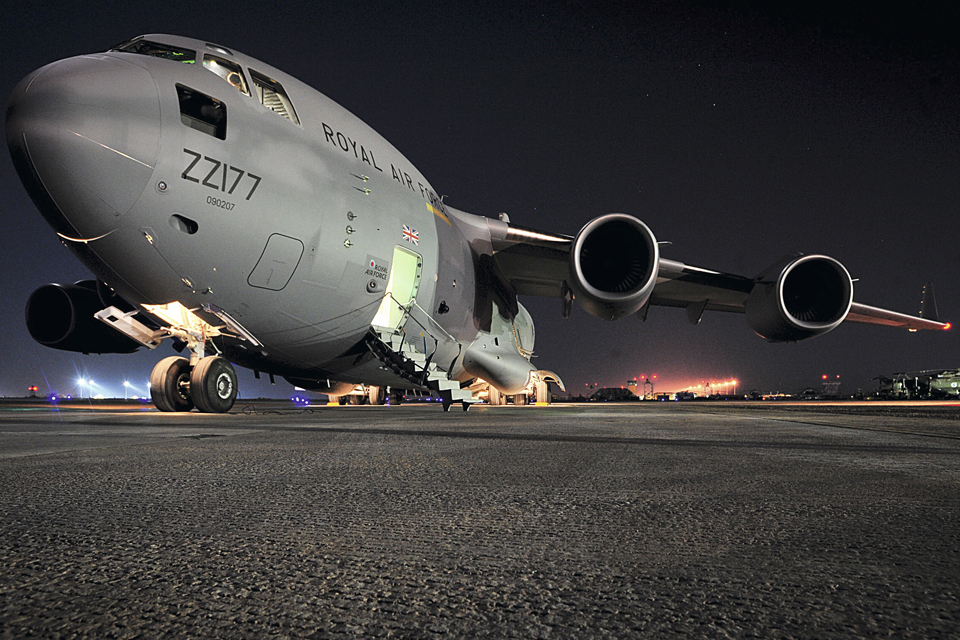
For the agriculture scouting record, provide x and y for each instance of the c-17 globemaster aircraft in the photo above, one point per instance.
(228, 207)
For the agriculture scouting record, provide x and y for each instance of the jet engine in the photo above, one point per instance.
(613, 265)
(799, 297)
(61, 316)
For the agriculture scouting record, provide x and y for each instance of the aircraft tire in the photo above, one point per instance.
(520, 399)
(358, 400)
(376, 395)
(213, 385)
(495, 398)
(169, 385)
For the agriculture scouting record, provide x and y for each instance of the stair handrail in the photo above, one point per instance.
(434, 321)
(406, 308)
(408, 315)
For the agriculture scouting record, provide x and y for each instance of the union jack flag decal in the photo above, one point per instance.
(410, 235)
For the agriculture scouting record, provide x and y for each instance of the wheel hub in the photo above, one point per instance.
(224, 386)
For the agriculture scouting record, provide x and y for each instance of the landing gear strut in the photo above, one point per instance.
(211, 385)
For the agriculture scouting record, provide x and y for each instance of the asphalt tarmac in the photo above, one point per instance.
(654, 520)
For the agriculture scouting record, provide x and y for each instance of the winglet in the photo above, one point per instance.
(928, 306)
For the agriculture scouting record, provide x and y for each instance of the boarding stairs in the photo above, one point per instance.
(409, 351)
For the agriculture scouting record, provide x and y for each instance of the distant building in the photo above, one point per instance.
(613, 394)
(830, 389)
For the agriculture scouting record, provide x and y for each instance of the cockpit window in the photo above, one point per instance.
(272, 96)
(203, 113)
(229, 71)
(158, 50)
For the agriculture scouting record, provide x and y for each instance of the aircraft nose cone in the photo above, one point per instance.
(84, 134)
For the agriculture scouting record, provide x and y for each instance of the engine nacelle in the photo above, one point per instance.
(61, 316)
(613, 265)
(809, 296)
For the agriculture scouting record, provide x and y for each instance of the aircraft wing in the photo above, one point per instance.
(814, 291)
(535, 263)
(539, 265)
(874, 315)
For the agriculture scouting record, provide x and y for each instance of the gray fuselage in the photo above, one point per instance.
(286, 221)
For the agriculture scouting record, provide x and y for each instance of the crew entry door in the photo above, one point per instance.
(402, 286)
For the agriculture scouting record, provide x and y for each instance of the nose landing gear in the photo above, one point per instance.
(210, 385)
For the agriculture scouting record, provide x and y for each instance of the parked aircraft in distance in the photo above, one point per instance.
(229, 208)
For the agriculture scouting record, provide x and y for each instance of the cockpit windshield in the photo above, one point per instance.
(158, 50)
(229, 71)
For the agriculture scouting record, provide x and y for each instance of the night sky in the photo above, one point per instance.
(737, 131)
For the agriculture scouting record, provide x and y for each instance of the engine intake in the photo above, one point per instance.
(61, 316)
(613, 265)
(810, 296)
